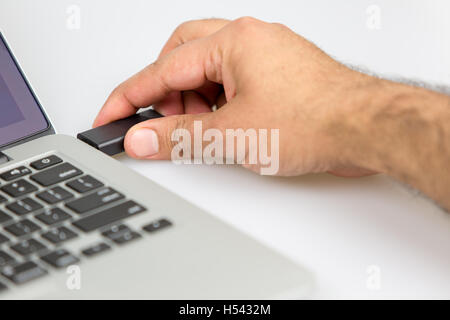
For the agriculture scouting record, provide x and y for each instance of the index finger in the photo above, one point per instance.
(184, 68)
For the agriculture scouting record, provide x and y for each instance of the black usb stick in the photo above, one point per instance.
(110, 137)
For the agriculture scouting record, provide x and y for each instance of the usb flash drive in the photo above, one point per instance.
(110, 137)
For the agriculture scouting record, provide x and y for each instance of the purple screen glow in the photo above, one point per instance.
(20, 114)
(10, 112)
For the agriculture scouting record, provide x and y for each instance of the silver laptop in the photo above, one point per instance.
(75, 223)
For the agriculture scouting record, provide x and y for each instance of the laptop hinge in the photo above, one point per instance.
(3, 158)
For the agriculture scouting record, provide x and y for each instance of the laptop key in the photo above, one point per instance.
(19, 188)
(28, 247)
(108, 216)
(3, 238)
(5, 259)
(22, 228)
(157, 225)
(2, 199)
(15, 173)
(95, 200)
(115, 231)
(54, 195)
(126, 237)
(121, 234)
(4, 217)
(24, 206)
(56, 174)
(59, 235)
(45, 162)
(23, 272)
(53, 216)
(60, 258)
(96, 249)
(85, 184)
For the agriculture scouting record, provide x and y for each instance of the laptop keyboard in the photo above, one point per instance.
(50, 202)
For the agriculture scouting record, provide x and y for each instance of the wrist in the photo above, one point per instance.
(395, 128)
(379, 125)
(351, 125)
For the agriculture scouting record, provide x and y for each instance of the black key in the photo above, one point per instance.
(15, 173)
(121, 234)
(59, 235)
(85, 184)
(24, 206)
(126, 237)
(5, 259)
(45, 162)
(53, 216)
(3, 238)
(54, 195)
(60, 258)
(95, 200)
(2, 199)
(22, 228)
(2, 287)
(157, 225)
(96, 249)
(57, 174)
(28, 247)
(114, 231)
(19, 188)
(4, 217)
(24, 272)
(108, 216)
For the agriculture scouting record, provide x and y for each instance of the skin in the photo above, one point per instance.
(263, 75)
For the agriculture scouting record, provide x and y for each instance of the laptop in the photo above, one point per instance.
(77, 224)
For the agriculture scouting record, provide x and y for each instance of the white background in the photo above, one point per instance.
(335, 227)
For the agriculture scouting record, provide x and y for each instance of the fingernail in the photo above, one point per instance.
(144, 143)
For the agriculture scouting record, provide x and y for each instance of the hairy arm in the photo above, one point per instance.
(404, 132)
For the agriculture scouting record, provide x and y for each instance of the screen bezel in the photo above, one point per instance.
(47, 131)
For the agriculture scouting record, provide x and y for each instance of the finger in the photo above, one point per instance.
(192, 30)
(182, 69)
(194, 103)
(175, 103)
(170, 105)
(153, 139)
(209, 91)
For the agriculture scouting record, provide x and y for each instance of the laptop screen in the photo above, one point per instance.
(20, 113)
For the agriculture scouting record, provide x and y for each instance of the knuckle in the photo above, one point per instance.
(245, 23)
(179, 32)
(280, 25)
(179, 123)
(181, 27)
(246, 20)
(117, 92)
(159, 70)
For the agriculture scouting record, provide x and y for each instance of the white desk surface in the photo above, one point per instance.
(336, 227)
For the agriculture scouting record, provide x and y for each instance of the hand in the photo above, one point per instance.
(260, 75)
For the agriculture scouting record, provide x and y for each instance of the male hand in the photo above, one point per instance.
(264, 76)
(260, 75)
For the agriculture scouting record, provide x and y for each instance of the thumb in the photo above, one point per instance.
(152, 139)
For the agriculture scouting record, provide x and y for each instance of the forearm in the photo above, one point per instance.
(404, 131)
